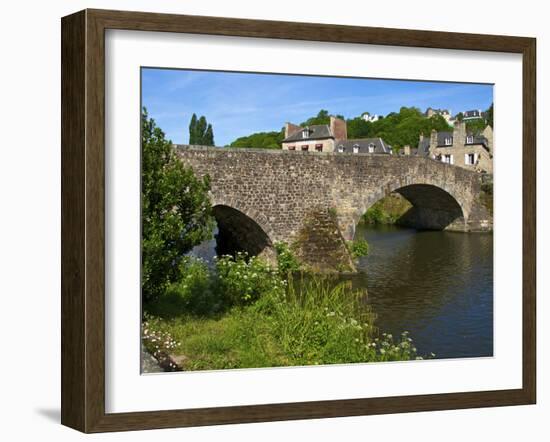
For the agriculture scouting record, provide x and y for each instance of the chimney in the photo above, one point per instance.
(433, 140)
(338, 128)
(290, 129)
(407, 149)
(459, 133)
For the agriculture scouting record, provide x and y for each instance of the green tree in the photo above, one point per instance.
(359, 128)
(193, 130)
(200, 132)
(208, 136)
(475, 126)
(322, 117)
(201, 129)
(404, 127)
(176, 214)
(261, 140)
(489, 115)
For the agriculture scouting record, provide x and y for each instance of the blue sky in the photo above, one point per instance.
(239, 104)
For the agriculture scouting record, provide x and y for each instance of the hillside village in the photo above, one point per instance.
(463, 147)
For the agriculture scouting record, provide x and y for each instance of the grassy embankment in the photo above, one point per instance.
(244, 314)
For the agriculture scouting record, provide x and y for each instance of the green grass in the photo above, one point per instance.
(309, 323)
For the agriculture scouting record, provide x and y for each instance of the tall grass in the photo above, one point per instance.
(320, 323)
(309, 322)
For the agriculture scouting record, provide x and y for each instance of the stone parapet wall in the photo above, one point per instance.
(280, 189)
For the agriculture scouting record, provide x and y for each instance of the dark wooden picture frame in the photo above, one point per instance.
(83, 220)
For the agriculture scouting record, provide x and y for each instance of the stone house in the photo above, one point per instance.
(445, 113)
(474, 114)
(473, 151)
(332, 137)
(368, 117)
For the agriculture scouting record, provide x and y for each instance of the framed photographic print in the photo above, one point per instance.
(268, 220)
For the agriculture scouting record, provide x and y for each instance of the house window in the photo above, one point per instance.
(469, 139)
(319, 147)
(447, 159)
(448, 141)
(371, 148)
(305, 133)
(340, 148)
(356, 148)
(291, 147)
(470, 159)
(305, 147)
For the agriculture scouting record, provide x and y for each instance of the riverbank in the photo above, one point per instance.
(246, 315)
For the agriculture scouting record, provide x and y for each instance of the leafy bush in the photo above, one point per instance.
(286, 261)
(242, 279)
(358, 248)
(195, 291)
(176, 213)
(373, 215)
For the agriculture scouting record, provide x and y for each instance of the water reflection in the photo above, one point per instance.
(437, 285)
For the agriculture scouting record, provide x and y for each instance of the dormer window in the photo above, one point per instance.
(305, 133)
(470, 139)
(356, 148)
(371, 148)
(448, 141)
(340, 148)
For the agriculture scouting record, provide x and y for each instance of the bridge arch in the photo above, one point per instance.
(434, 207)
(240, 232)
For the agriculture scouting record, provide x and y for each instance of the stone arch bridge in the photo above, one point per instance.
(314, 200)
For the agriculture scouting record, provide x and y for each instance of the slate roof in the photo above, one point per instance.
(478, 139)
(424, 145)
(316, 132)
(437, 111)
(473, 114)
(441, 138)
(379, 145)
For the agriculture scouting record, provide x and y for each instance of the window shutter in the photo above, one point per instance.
(465, 158)
(452, 159)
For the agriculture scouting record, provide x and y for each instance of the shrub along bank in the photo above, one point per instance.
(243, 314)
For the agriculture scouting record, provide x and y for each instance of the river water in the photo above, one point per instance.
(436, 285)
